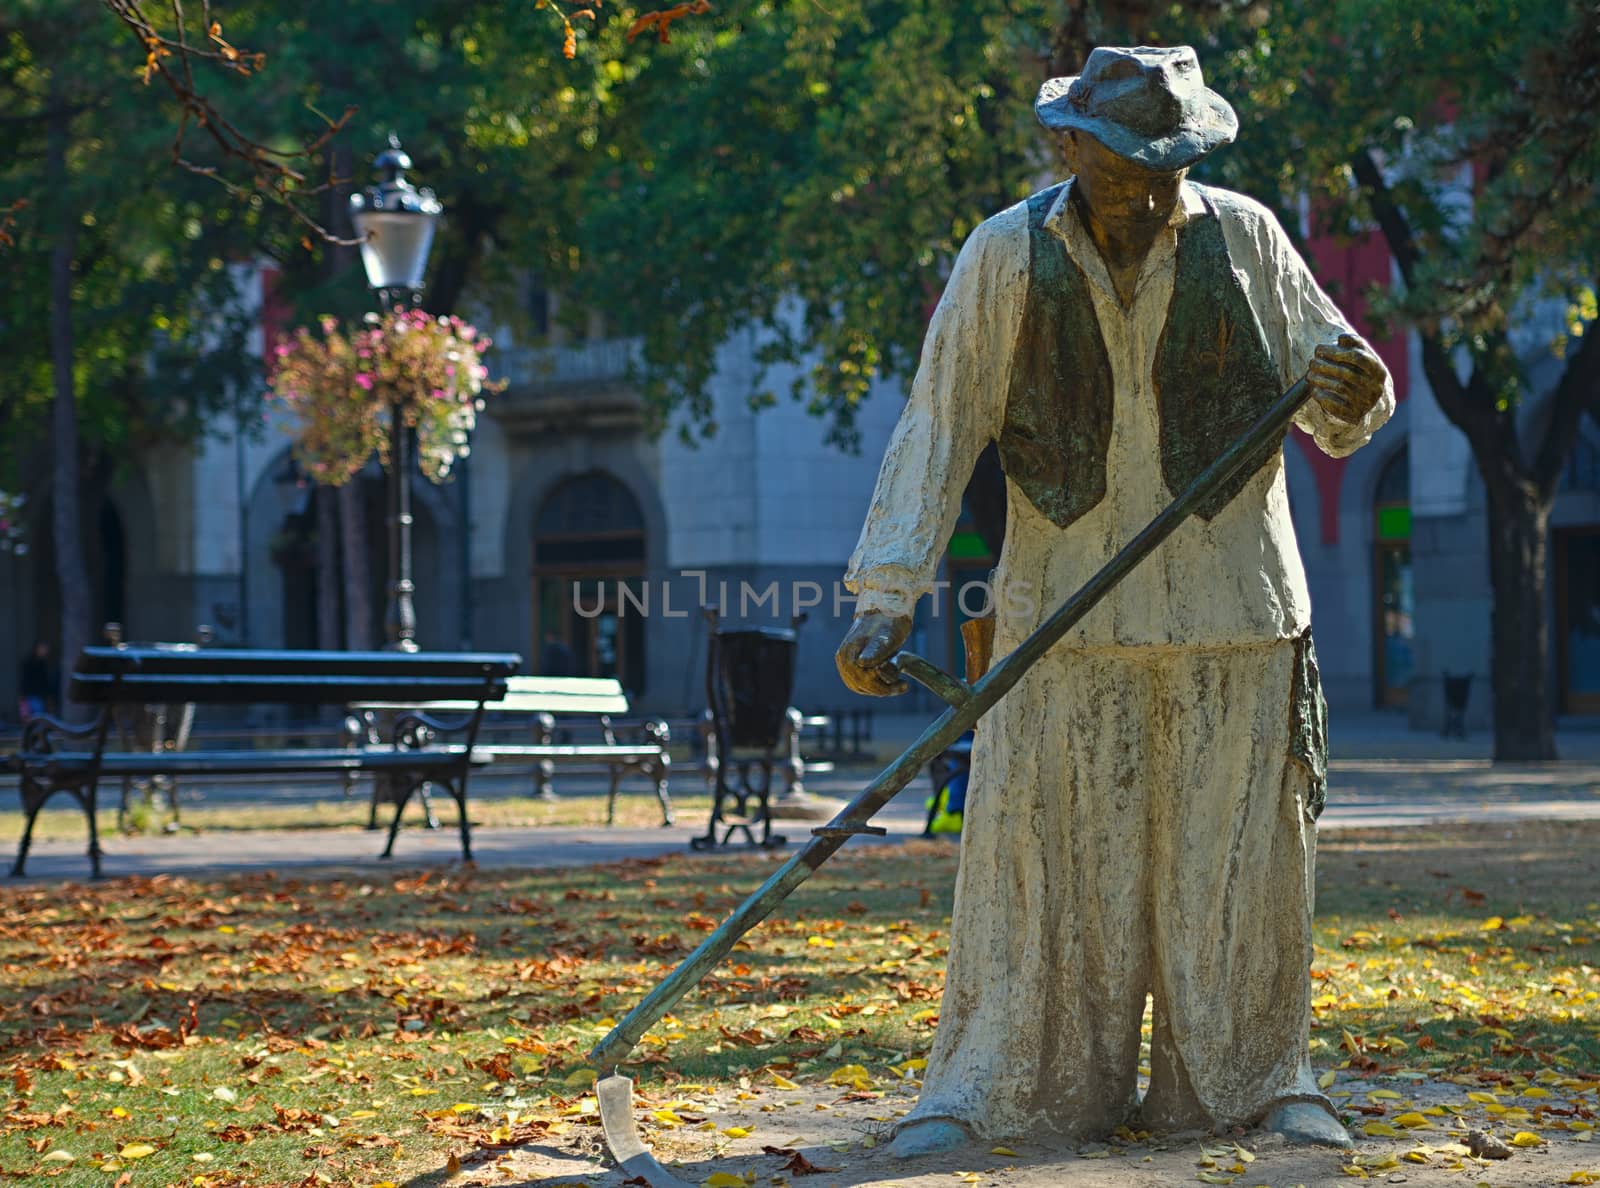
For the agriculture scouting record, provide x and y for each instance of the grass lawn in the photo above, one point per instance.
(62, 820)
(276, 1031)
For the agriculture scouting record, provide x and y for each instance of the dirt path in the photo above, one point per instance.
(718, 1136)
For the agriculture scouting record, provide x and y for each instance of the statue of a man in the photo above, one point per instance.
(1141, 819)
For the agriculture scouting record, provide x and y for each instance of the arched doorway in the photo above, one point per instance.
(589, 594)
(1394, 603)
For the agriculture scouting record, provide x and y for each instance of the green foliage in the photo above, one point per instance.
(1465, 131)
(806, 172)
(157, 349)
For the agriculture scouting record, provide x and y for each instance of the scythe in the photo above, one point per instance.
(968, 701)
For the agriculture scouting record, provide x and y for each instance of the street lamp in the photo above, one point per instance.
(396, 222)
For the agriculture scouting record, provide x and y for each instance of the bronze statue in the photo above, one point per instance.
(1141, 818)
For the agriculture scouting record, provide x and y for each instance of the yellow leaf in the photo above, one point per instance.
(1326, 1080)
(851, 1074)
(581, 1078)
(1213, 1178)
(1526, 1138)
(1412, 1121)
(136, 1151)
(60, 1156)
(1483, 1098)
(969, 1177)
(723, 1180)
(783, 1082)
(1492, 924)
(1380, 1130)
(666, 1117)
(1584, 1177)
(1383, 1095)
(1003, 1151)
(1244, 1156)
(1535, 1091)
(737, 1131)
(1415, 1157)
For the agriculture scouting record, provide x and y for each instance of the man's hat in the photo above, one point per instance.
(1147, 105)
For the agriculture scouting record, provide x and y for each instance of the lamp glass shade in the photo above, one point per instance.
(395, 245)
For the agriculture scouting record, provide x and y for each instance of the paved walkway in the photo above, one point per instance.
(1364, 793)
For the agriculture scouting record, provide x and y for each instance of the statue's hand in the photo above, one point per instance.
(1347, 379)
(872, 639)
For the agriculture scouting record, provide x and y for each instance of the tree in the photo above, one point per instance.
(1376, 108)
(494, 114)
(811, 174)
(116, 320)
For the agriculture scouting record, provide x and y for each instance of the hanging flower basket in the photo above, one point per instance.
(340, 387)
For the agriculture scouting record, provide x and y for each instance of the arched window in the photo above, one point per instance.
(590, 598)
(1394, 602)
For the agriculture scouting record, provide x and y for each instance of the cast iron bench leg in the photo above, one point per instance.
(86, 798)
(662, 768)
(611, 796)
(401, 799)
(460, 795)
(32, 802)
(426, 794)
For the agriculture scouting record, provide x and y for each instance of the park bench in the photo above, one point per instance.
(58, 756)
(533, 705)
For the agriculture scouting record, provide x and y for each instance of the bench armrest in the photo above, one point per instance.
(417, 728)
(651, 730)
(37, 732)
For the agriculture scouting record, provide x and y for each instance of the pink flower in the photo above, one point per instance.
(363, 381)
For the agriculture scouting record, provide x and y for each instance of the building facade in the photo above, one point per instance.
(575, 538)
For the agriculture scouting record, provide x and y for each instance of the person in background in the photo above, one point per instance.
(36, 683)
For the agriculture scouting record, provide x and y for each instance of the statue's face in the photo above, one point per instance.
(1125, 198)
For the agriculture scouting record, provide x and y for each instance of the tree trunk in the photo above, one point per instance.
(357, 579)
(327, 569)
(72, 574)
(1519, 535)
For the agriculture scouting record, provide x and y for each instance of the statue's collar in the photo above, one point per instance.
(1190, 206)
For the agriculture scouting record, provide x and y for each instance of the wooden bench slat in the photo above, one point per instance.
(140, 763)
(598, 752)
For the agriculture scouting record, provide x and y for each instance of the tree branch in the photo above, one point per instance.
(1577, 392)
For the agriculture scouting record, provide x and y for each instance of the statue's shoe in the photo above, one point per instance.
(1305, 1123)
(931, 1136)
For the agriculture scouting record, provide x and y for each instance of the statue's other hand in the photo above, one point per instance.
(1347, 379)
(872, 640)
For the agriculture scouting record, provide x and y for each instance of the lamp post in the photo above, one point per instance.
(396, 221)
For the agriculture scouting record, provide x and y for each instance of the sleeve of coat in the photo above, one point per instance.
(955, 406)
(1297, 316)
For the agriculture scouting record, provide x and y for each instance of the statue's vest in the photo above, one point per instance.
(1213, 374)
